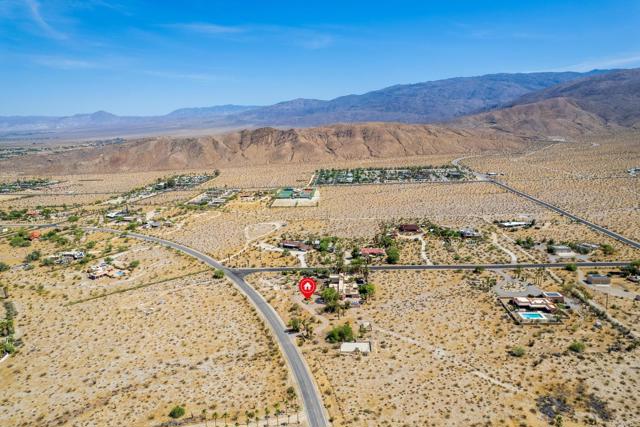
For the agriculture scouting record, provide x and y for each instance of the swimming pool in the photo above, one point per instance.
(531, 315)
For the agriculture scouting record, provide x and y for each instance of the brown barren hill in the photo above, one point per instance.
(602, 103)
(547, 119)
(262, 146)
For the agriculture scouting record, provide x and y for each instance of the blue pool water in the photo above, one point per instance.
(531, 316)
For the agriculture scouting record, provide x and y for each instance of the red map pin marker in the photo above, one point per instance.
(307, 287)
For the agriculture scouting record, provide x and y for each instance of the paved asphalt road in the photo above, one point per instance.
(247, 271)
(27, 225)
(596, 227)
(313, 406)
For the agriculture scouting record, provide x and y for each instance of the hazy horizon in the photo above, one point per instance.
(143, 58)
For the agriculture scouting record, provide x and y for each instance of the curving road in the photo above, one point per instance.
(313, 406)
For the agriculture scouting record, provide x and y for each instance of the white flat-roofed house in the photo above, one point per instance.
(514, 224)
(470, 233)
(563, 251)
(352, 347)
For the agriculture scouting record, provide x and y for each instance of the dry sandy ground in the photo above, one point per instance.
(440, 358)
(300, 174)
(131, 356)
(354, 214)
(587, 178)
(351, 212)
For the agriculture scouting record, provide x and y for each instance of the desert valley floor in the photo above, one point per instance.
(101, 326)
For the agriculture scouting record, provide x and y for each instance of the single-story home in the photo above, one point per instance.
(555, 297)
(598, 279)
(346, 289)
(115, 214)
(409, 228)
(72, 254)
(295, 245)
(534, 304)
(352, 347)
(562, 251)
(587, 247)
(372, 252)
(513, 224)
(470, 233)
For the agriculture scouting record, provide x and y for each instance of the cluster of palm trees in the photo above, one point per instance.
(253, 417)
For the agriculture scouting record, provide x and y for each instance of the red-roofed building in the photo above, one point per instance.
(372, 252)
(409, 228)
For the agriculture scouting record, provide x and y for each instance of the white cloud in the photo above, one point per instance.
(63, 63)
(182, 76)
(303, 37)
(627, 60)
(36, 16)
(206, 28)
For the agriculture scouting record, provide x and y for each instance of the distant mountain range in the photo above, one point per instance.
(589, 105)
(602, 102)
(429, 102)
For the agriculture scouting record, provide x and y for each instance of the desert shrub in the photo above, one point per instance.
(19, 241)
(577, 346)
(295, 324)
(607, 249)
(177, 412)
(517, 351)
(527, 243)
(571, 267)
(8, 347)
(4, 266)
(331, 299)
(367, 290)
(47, 262)
(632, 269)
(393, 256)
(341, 333)
(33, 256)
(218, 274)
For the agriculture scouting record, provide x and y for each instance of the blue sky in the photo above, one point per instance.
(141, 58)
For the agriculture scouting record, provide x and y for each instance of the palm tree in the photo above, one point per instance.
(276, 408)
(518, 272)
(286, 403)
(225, 415)
(296, 408)
(267, 411)
(365, 271)
(215, 419)
(539, 276)
(204, 416)
(308, 328)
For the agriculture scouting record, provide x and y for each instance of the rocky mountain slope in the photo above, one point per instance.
(261, 146)
(614, 97)
(601, 103)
